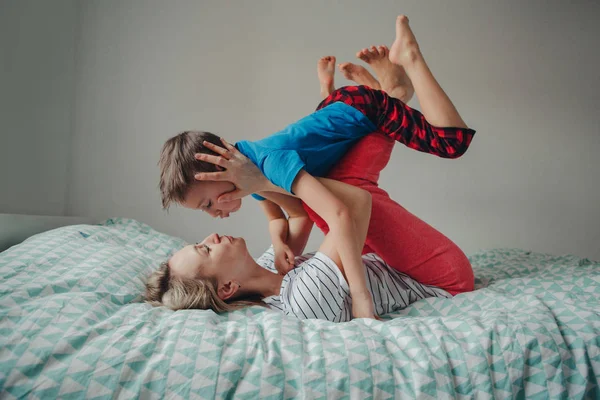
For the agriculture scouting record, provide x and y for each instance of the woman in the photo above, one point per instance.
(219, 274)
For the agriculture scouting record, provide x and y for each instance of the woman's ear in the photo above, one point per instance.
(228, 289)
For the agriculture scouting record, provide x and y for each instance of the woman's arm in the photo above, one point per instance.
(342, 229)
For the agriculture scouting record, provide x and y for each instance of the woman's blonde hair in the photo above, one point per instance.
(177, 293)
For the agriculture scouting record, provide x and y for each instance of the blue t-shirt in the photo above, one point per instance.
(315, 143)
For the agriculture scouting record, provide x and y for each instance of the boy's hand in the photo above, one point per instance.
(362, 306)
(238, 169)
(284, 259)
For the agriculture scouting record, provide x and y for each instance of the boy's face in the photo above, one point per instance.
(203, 196)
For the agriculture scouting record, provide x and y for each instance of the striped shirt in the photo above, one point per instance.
(316, 288)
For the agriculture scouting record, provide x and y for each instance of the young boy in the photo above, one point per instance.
(312, 146)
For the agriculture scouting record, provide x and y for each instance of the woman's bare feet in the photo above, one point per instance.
(405, 49)
(326, 71)
(359, 74)
(392, 77)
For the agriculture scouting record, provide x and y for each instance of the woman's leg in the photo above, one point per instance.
(412, 246)
(404, 241)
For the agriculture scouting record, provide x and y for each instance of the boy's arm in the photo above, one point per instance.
(278, 227)
(299, 224)
(299, 230)
(235, 168)
(278, 230)
(342, 230)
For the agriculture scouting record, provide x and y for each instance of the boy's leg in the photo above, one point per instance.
(325, 72)
(395, 119)
(356, 73)
(435, 104)
(439, 130)
(395, 81)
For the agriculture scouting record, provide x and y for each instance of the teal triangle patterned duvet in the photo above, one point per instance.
(73, 325)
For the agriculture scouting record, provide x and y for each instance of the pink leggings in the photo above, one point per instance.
(405, 242)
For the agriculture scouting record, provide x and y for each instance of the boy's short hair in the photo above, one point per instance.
(178, 164)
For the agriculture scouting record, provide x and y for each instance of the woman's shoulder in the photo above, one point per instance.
(267, 260)
(317, 271)
(316, 289)
(313, 269)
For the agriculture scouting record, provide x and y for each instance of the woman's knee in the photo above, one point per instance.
(462, 277)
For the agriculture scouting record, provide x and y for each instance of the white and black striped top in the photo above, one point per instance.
(316, 288)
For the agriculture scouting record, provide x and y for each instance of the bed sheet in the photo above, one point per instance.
(73, 324)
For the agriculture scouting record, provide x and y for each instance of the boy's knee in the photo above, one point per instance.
(356, 96)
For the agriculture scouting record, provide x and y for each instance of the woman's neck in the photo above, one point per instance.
(262, 282)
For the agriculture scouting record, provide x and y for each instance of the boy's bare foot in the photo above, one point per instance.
(405, 49)
(436, 106)
(359, 74)
(326, 71)
(392, 77)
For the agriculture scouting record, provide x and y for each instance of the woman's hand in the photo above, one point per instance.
(238, 169)
(284, 258)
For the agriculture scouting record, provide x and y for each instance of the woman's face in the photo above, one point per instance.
(219, 257)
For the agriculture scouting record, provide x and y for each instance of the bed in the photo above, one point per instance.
(73, 324)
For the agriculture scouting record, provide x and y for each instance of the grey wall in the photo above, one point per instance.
(524, 74)
(37, 64)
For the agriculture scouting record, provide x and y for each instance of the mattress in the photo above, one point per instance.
(73, 324)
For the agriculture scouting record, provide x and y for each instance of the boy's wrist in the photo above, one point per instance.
(360, 290)
(265, 185)
(361, 297)
(271, 187)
